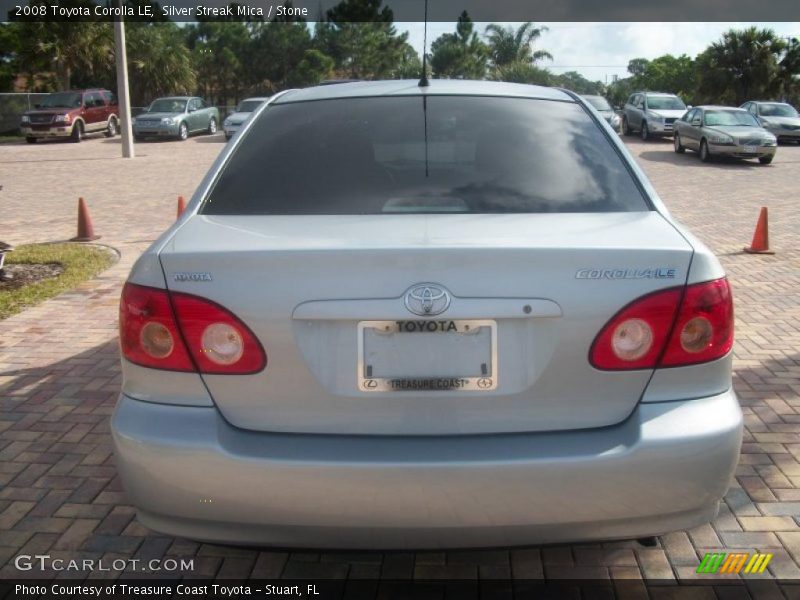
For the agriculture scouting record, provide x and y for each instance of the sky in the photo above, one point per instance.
(598, 51)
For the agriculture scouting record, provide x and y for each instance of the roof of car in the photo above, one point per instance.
(656, 93)
(410, 87)
(720, 107)
(259, 98)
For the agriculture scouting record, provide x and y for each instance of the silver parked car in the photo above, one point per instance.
(402, 316)
(245, 108)
(724, 131)
(176, 117)
(779, 118)
(651, 114)
(605, 109)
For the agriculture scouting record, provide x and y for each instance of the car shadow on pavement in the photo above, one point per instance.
(692, 160)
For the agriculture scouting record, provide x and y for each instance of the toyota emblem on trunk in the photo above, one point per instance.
(427, 299)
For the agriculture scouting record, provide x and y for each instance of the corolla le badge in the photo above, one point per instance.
(427, 299)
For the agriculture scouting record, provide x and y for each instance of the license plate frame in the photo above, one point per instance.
(484, 382)
(749, 149)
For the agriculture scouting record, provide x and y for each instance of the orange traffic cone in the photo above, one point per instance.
(85, 227)
(760, 243)
(181, 206)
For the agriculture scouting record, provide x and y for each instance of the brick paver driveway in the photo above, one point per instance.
(59, 376)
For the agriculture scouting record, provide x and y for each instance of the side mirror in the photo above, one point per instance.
(688, 107)
(696, 122)
(191, 109)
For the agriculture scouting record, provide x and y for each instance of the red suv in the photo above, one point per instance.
(72, 114)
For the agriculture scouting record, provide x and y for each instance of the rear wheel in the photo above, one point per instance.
(77, 132)
(183, 132)
(645, 132)
(626, 128)
(705, 153)
(676, 142)
(30, 140)
(212, 126)
(765, 160)
(112, 128)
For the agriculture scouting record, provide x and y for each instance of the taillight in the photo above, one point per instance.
(148, 333)
(181, 332)
(668, 328)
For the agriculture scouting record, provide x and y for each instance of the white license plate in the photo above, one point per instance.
(427, 355)
(751, 149)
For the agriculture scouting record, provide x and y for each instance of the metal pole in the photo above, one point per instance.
(123, 95)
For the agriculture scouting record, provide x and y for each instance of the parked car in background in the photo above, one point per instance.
(176, 117)
(240, 115)
(779, 118)
(72, 114)
(424, 317)
(605, 109)
(724, 131)
(651, 114)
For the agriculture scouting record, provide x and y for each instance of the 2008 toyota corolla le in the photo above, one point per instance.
(405, 316)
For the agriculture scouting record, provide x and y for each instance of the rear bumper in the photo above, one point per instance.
(191, 474)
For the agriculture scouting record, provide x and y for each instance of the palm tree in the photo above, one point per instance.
(68, 47)
(507, 46)
(159, 62)
(742, 66)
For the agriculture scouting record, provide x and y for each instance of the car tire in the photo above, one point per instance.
(705, 153)
(137, 138)
(676, 143)
(626, 128)
(30, 140)
(77, 132)
(645, 131)
(212, 126)
(112, 128)
(183, 132)
(765, 160)
(228, 137)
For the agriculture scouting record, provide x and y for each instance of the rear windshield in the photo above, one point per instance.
(665, 103)
(440, 154)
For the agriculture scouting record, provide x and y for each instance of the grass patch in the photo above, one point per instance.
(11, 139)
(79, 263)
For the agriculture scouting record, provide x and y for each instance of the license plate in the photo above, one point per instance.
(751, 149)
(427, 355)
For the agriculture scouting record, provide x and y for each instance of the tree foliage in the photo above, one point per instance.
(459, 55)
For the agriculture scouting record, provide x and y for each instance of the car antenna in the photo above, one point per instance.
(423, 82)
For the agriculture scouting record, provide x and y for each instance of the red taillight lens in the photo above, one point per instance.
(220, 343)
(156, 327)
(704, 328)
(148, 333)
(669, 328)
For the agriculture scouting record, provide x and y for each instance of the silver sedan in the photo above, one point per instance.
(406, 316)
(724, 131)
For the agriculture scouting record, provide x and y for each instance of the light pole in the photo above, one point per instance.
(123, 95)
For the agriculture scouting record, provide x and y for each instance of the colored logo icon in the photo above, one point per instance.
(721, 562)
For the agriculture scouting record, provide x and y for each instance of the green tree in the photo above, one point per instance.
(742, 66)
(67, 50)
(508, 46)
(572, 80)
(218, 50)
(9, 52)
(789, 71)
(159, 63)
(459, 55)
(360, 37)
